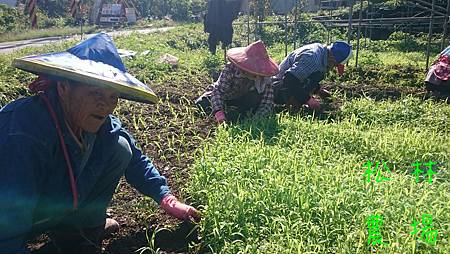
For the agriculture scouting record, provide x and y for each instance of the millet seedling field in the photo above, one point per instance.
(293, 182)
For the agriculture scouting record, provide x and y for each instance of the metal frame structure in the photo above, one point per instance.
(432, 16)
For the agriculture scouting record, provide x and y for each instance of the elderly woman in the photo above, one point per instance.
(303, 69)
(63, 153)
(243, 83)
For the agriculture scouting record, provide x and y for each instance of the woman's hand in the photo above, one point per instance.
(220, 116)
(172, 206)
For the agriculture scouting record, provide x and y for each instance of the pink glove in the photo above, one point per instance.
(220, 116)
(172, 206)
(313, 103)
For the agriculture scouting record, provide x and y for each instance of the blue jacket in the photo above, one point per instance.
(304, 61)
(33, 169)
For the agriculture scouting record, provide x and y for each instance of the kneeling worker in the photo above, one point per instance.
(62, 152)
(244, 83)
(303, 69)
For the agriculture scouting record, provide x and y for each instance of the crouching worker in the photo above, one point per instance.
(63, 153)
(244, 83)
(304, 68)
(437, 79)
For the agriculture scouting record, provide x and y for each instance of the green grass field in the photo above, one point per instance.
(291, 184)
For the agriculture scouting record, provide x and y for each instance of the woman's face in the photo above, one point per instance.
(331, 61)
(250, 76)
(86, 107)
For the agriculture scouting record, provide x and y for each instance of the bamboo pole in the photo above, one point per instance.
(285, 35)
(371, 17)
(328, 30)
(434, 9)
(430, 32)
(295, 24)
(350, 18)
(248, 22)
(445, 32)
(359, 33)
(255, 11)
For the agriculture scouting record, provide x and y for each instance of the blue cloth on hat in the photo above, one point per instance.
(99, 48)
(340, 50)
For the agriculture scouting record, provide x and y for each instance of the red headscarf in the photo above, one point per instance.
(41, 84)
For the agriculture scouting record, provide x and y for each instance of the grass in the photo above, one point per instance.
(39, 33)
(285, 184)
(406, 58)
(292, 184)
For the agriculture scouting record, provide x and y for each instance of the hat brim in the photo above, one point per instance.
(262, 67)
(68, 66)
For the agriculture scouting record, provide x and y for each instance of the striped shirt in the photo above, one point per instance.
(233, 83)
(304, 61)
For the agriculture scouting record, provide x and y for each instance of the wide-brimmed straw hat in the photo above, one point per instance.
(94, 61)
(253, 59)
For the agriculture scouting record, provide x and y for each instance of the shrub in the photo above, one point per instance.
(11, 19)
(304, 32)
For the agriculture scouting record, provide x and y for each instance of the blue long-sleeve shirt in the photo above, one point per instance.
(34, 183)
(305, 61)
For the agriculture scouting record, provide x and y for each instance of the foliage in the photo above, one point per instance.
(39, 33)
(213, 64)
(377, 74)
(411, 42)
(54, 8)
(306, 31)
(11, 19)
(183, 10)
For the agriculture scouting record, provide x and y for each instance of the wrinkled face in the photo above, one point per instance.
(86, 107)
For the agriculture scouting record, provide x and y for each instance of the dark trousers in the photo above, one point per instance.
(444, 88)
(292, 91)
(81, 231)
(244, 104)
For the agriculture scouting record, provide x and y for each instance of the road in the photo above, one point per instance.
(6, 47)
